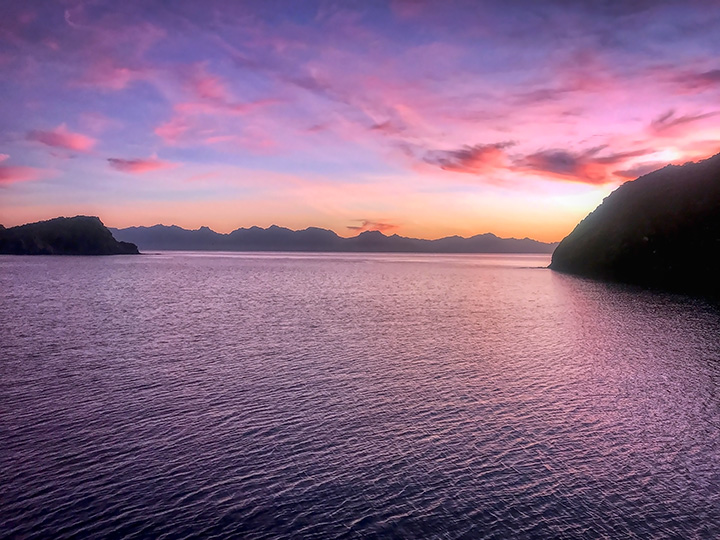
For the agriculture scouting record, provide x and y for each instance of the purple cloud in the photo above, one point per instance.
(471, 159)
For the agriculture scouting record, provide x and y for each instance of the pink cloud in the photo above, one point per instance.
(255, 140)
(11, 175)
(699, 149)
(221, 107)
(703, 80)
(206, 86)
(670, 124)
(139, 166)
(203, 114)
(685, 81)
(203, 176)
(95, 122)
(587, 167)
(210, 94)
(408, 9)
(369, 225)
(639, 170)
(172, 130)
(216, 139)
(208, 122)
(471, 159)
(591, 166)
(105, 74)
(112, 49)
(61, 137)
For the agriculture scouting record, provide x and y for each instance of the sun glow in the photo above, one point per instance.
(291, 118)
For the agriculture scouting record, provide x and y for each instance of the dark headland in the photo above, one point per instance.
(659, 231)
(79, 235)
(274, 238)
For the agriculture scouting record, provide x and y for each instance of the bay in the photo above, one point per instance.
(266, 395)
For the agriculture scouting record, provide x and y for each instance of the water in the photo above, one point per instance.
(220, 395)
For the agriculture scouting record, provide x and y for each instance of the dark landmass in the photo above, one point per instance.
(274, 238)
(80, 235)
(660, 231)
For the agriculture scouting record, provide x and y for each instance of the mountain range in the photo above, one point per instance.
(274, 238)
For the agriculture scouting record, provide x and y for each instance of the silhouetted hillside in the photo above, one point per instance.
(661, 230)
(80, 235)
(276, 238)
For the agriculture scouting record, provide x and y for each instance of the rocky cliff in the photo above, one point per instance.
(661, 230)
(80, 235)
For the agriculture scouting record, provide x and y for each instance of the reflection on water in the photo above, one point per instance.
(336, 395)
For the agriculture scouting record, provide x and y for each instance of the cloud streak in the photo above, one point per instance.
(140, 165)
(639, 170)
(592, 166)
(15, 174)
(62, 138)
(588, 166)
(671, 124)
(476, 159)
(370, 225)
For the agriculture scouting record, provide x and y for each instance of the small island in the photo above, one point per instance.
(661, 230)
(79, 235)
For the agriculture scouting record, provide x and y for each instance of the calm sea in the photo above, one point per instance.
(219, 395)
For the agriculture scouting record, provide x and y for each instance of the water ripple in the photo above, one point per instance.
(373, 396)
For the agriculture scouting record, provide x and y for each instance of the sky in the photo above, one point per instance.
(420, 118)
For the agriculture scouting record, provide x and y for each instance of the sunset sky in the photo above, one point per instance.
(425, 119)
